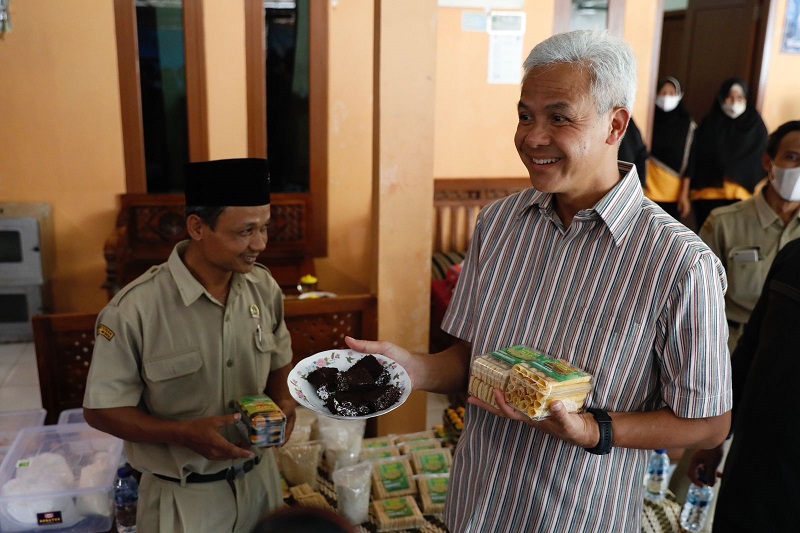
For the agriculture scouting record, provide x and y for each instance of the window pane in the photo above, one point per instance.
(287, 95)
(589, 15)
(162, 71)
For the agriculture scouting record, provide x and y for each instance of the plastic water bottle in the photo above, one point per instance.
(657, 477)
(695, 510)
(126, 496)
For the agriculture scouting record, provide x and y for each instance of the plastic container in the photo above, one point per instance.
(11, 422)
(59, 477)
(71, 416)
(657, 478)
(126, 499)
(695, 510)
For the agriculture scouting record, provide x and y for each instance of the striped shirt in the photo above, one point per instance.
(626, 293)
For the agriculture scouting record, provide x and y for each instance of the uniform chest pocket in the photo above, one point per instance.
(746, 272)
(174, 385)
(265, 345)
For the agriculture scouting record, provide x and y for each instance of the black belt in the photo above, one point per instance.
(229, 474)
(734, 324)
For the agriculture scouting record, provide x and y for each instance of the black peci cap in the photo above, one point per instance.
(228, 182)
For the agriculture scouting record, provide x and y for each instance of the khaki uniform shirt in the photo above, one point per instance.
(746, 236)
(166, 345)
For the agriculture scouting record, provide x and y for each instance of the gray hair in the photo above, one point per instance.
(610, 61)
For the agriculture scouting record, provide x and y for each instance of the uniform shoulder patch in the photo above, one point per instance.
(105, 331)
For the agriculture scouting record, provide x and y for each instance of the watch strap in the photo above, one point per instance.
(606, 432)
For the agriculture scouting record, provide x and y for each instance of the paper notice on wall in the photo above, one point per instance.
(506, 32)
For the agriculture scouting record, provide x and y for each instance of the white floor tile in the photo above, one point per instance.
(19, 398)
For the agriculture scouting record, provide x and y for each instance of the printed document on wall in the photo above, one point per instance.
(506, 32)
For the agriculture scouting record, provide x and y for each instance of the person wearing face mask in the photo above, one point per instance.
(725, 159)
(673, 132)
(747, 235)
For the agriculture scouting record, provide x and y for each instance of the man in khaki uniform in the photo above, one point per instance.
(179, 345)
(747, 235)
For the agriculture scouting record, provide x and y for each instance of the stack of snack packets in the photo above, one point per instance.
(530, 380)
(262, 420)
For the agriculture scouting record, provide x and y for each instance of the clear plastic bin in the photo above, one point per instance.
(13, 421)
(71, 416)
(59, 477)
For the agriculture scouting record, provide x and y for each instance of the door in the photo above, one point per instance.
(722, 39)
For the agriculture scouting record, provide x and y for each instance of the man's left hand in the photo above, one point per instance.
(579, 429)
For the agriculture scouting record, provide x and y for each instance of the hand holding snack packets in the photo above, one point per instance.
(530, 380)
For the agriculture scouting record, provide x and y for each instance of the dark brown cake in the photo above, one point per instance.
(360, 390)
(324, 381)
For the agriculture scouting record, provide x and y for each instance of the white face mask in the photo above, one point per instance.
(735, 109)
(668, 102)
(786, 182)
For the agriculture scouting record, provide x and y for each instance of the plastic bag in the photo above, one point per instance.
(353, 485)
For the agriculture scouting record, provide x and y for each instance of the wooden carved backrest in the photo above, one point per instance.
(149, 225)
(321, 324)
(64, 345)
(456, 203)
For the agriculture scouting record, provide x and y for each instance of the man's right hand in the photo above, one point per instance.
(203, 436)
(704, 463)
(406, 359)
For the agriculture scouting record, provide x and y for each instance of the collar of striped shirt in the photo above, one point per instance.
(617, 209)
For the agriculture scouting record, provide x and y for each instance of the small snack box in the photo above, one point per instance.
(433, 492)
(396, 514)
(263, 420)
(59, 477)
(393, 477)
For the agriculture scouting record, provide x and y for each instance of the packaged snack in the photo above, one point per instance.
(409, 437)
(396, 514)
(530, 380)
(352, 485)
(392, 477)
(298, 462)
(315, 499)
(432, 461)
(374, 454)
(418, 445)
(432, 492)
(377, 442)
(263, 421)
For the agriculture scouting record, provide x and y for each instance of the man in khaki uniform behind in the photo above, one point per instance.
(179, 345)
(747, 235)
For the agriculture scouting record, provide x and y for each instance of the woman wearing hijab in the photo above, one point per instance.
(725, 160)
(673, 131)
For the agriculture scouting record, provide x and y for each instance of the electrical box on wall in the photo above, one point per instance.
(26, 265)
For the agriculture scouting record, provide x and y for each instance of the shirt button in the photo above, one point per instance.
(229, 363)
(227, 318)
(231, 404)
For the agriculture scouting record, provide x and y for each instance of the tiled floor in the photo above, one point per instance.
(19, 378)
(19, 383)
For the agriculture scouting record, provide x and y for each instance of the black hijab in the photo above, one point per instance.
(728, 148)
(670, 129)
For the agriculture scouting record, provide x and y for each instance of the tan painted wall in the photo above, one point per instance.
(781, 103)
(475, 121)
(348, 267)
(61, 133)
(223, 23)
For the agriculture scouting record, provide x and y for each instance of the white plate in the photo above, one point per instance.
(306, 395)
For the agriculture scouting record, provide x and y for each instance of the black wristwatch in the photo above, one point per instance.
(606, 432)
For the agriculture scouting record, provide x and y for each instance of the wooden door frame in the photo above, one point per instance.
(130, 89)
(255, 61)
